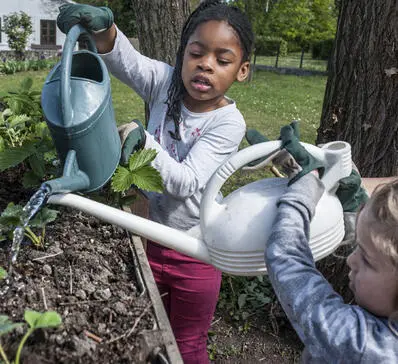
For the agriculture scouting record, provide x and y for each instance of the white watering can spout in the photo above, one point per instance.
(233, 233)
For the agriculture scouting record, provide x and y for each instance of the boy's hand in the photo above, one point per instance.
(283, 159)
(305, 161)
(351, 193)
(94, 19)
(132, 137)
(253, 136)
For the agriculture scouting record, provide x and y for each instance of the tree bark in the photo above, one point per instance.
(159, 24)
(361, 98)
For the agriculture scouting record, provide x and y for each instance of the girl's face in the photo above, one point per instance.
(373, 277)
(212, 62)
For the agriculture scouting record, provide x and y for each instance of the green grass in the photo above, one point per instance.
(267, 103)
(293, 60)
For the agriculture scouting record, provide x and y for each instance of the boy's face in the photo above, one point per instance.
(373, 277)
(212, 62)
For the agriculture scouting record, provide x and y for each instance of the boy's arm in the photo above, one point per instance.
(329, 328)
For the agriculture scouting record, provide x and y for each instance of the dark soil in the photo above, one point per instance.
(88, 278)
(267, 338)
(86, 274)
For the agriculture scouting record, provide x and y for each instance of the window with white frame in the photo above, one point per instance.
(48, 32)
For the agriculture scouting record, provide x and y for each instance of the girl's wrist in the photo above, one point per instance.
(105, 40)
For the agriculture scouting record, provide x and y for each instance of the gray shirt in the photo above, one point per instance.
(207, 139)
(332, 331)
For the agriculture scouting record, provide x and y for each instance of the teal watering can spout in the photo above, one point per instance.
(73, 179)
(77, 105)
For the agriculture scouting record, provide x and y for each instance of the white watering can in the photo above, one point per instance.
(233, 233)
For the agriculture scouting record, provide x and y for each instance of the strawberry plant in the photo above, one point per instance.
(35, 320)
(24, 136)
(11, 218)
(138, 174)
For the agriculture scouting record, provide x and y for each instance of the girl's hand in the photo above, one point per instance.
(94, 19)
(132, 137)
(97, 20)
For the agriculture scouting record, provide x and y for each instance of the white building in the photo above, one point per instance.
(43, 13)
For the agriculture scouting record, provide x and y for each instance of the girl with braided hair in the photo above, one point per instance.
(194, 127)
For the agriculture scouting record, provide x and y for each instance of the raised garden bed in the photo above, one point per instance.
(97, 278)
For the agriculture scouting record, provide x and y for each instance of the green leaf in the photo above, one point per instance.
(16, 120)
(122, 179)
(14, 156)
(37, 164)
(49, 319)
(141, 158)
(43, 217)
(6, 325)
(2, 144)
(3, 273)
(11, 215)
(38, 320)
(139, 173)
(31, 317)
(30, 179)
(26, 84)
(148, 178)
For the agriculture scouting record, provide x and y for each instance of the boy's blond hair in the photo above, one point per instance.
(383, 209)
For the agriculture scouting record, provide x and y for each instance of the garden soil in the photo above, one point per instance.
(88, 278)
(86, 274)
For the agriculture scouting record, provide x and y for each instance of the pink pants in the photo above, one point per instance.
(192, 289)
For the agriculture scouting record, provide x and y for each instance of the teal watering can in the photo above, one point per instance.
(77, 104)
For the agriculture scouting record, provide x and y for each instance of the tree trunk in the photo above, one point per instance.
(277, 55)
(159, 24)
(361, 99)
(302, 57)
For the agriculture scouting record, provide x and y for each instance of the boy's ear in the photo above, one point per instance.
(243, 71)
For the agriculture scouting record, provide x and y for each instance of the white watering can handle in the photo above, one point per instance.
(335, 156)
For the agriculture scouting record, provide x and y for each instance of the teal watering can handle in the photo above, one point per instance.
(336, 157)
(66, 66)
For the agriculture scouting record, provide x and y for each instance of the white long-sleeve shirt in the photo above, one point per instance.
(207, 139)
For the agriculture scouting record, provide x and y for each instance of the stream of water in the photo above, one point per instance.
(30, 209)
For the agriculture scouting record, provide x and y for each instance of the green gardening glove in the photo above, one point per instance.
(94, 19)
(351, 195)
(253, 136)
(350, 192)
(132, 137)
(291, 143)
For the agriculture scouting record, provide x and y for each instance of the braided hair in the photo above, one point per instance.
(208, 10)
